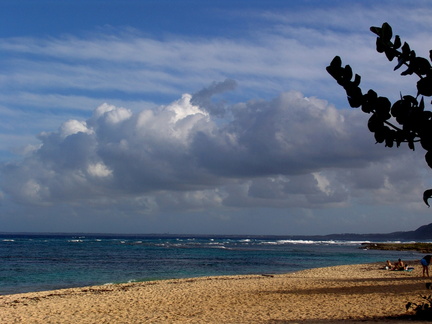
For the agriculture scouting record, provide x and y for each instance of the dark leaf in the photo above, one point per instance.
(401, 62)
(375, 123)
(390, 138)
(408, 71)
(381, 134)
(382, 108)
(384, 103)
(426, 143)
(347, 74)
(411, 144)
(372, 94)
(335, 68)
(355, 96)
(336, 62)
(390, 53)
(427, 115)
(386, 32)
(380, 47)
(424, 121)
(420, 65)
(422, 104)
(426, 195)
(400, 108)
(406, 50)
(397, 42)
(402, 119)
(334, 72)
(389, 141)
(428, 158)
(369, 100)
(411, 100)
(399, 138)
(408, 305)
(376, 30)
(424, 86)
(357, 80)
(367, 108)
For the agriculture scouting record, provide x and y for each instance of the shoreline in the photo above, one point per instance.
(348, 294)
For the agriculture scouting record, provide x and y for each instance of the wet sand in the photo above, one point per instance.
(342, 294)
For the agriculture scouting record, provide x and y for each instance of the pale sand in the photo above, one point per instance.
(353, 294)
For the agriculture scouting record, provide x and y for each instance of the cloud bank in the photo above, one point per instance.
(291, 151)
(119, 145)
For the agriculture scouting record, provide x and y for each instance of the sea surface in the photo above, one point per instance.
(38, 262)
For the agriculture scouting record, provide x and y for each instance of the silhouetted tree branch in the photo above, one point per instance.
(409, 111)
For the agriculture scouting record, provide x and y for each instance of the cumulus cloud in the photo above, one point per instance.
(291, 151)
(73, 127)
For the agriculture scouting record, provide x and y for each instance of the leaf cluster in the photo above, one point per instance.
(414, 122)
(422, 310)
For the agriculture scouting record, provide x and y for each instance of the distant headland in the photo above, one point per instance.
(423, 233)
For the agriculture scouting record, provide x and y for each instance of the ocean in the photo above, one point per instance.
(38, 262)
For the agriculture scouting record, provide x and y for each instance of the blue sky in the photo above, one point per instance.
(202, 117)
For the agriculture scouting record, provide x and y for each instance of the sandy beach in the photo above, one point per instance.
(353, 294)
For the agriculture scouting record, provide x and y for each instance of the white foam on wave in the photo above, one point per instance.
(313, 242)
(218, 247)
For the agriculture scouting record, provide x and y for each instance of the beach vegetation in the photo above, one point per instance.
(406, 120)
(423, 309)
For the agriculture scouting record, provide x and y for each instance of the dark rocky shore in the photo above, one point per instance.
(419, 247)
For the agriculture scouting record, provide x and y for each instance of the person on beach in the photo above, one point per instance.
(389, 265)
(399, 265)
(425, 264)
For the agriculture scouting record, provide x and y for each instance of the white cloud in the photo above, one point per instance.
(322, 183)
(73, 127)
(99, 170)
(183, 108)
(112, 114)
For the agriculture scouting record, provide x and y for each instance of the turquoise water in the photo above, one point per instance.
(46, 262)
